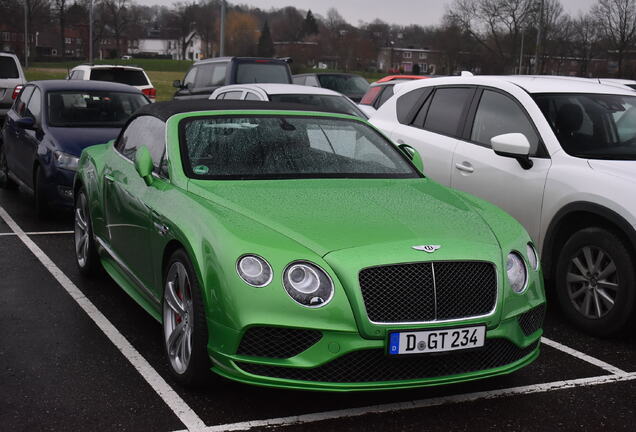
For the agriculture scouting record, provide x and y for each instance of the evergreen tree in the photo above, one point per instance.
(265, 42)
(310, 26)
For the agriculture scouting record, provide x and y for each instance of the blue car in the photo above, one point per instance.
(49, 125)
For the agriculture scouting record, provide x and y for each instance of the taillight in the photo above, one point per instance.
(150, 92)
(16, 91)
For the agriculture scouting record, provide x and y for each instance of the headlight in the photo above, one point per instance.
(533, 257)
(254, 270)
(308, 284)
(517, 272)
(66, 161)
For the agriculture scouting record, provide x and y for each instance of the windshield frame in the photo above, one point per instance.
(582, 154)
(189, 173)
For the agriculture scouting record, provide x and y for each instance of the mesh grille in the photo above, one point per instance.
(532, 320)
(375, 366)
(420, 292)
(277, 342)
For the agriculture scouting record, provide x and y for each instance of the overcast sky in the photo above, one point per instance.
(423, 12)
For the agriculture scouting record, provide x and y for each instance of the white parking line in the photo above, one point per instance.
(424, 403)
(582, 356)
(38, 233)
(181, 409)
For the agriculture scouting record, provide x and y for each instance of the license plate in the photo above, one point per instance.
(427, 341)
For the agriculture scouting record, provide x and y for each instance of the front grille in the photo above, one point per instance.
(375, 366)
(421, 292)
(277, 342)
(532, 320)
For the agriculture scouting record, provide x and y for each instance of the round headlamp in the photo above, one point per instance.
(533, 256)
(254, 270)
(517, 272)
(307, 284)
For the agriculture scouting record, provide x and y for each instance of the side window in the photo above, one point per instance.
(252, 96)
(233, 95)
(21, 101)
(385, 96)
(80, 75)
(34, 108)
(408, 104)
(311, 80)
(300, 80)
(446, 110)
(498, 114)
(145, 131)
(188, 81)
(210, 75)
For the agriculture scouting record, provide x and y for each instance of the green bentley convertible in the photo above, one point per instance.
(281, 246)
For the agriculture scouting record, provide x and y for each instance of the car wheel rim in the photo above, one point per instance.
(177, 317)
(81, 231)
(592, 282)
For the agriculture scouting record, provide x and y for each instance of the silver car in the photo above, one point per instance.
(11, 82)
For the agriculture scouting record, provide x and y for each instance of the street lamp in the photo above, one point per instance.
(26, 37)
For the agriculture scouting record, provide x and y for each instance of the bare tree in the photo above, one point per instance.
(60, 7)
(585, 36)
(117, 18)
(617, 21)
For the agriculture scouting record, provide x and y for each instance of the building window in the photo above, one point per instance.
(422, 55)
(407, 54)
(68, 41)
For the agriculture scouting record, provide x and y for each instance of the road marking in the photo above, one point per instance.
(423, 403)
(181, 409)
(38, 233)
(582, 356)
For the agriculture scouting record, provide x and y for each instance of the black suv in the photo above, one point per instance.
(205, 76)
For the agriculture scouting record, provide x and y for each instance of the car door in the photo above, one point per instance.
(434, 125)
(26, 150)
(128, 217)
(502, 180)
(14, 134)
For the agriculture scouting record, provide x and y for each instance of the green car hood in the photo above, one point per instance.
(327, 215)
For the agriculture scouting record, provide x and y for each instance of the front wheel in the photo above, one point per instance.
(184, 324)
(595, 281)
(86, 255)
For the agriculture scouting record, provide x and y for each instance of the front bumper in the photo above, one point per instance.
(345, 361)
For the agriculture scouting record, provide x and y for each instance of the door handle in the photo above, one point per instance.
(465, 167)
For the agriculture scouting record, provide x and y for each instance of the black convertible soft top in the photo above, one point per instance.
(165, 110)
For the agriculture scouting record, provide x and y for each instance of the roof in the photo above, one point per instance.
(531, 84)
(272, 89)
(400, 77)
(106, 66)
(165, 110)
(56, 85)
(215, 59)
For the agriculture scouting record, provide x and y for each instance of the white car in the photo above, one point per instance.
(559, 156)
(290, 93)
(621, 82)
(131, 75)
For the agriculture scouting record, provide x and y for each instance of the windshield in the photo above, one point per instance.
(276, 73)
(8, 68)
(273, 147)
(131, 77)
(592, 126)
(334, 103)
(92, 108)
(346, 84)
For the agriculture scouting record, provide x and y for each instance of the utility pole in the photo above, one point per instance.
(26, 37)
(222, 44)
(90, 33)
(537, 69)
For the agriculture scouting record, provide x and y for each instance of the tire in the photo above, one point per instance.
(186, 349)
(5, 180)
(86, 256)
(595, 281)
(42, 208)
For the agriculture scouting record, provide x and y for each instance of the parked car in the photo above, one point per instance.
(351, 85)
(50, 124)
(286, 248)
(205, 76)
(11, 82)
(131, 75)
(560, 158)
(290, 93)
(381, 90)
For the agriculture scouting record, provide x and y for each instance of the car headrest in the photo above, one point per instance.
(569, 118)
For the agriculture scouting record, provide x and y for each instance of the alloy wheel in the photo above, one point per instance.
(178, 316)
(82, 232)
(592, 282)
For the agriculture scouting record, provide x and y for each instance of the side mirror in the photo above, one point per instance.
(25, 122)
(177, 84)
(413, 155)
(513, 145)
(143, 164)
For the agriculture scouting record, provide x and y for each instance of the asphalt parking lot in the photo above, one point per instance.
(79, 354)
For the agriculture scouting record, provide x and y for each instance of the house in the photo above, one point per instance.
(162, 44)
(409, 60)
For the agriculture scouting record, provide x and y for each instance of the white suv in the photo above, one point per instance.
(11, 82)
(131, 75)
(559, 155)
